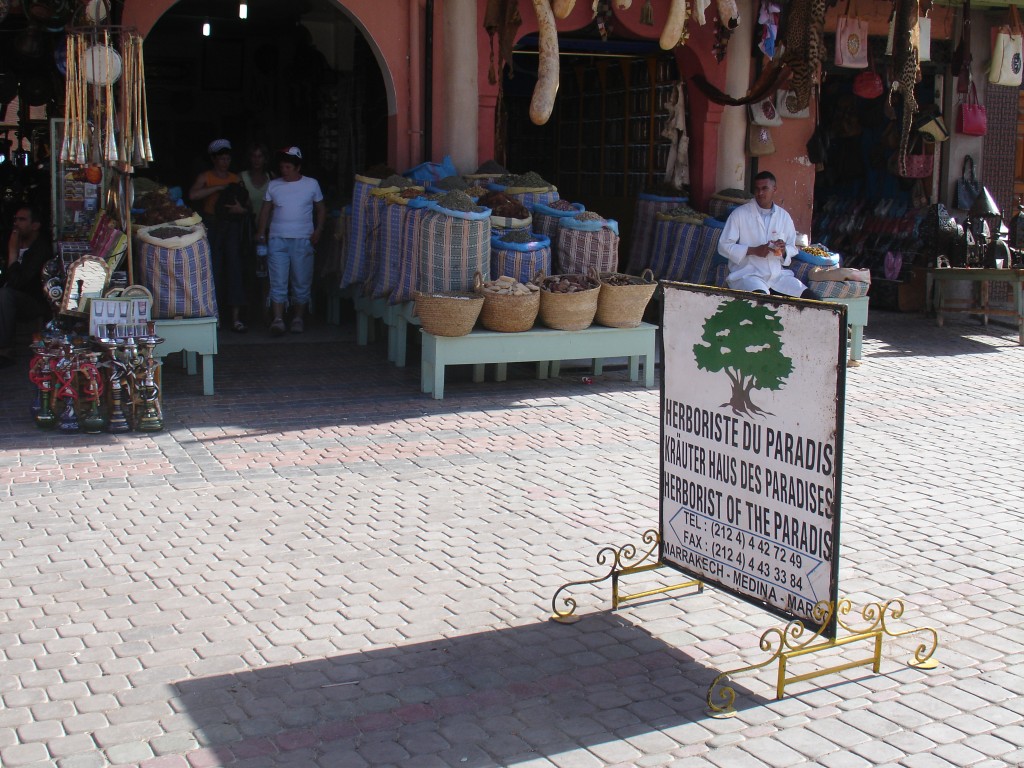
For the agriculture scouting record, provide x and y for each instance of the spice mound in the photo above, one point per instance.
(395, 180)
(568, 283)
(165, 233)
(518, 236)
(529, 180)
(560, 205)
(458, 201)
(508, 286)
(588, 216)
(503, 205)
(452, 182)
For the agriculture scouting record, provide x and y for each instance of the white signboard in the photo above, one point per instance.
(751, 426)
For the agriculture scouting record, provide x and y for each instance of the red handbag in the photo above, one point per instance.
(868, 84)
(971, 118)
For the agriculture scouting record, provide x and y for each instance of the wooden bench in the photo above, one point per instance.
(540, 344)
(193, 336)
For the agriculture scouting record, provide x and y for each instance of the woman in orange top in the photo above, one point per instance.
(225, 221)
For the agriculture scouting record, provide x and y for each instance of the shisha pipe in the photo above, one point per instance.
(65, 371)
(92, 389)
(152, 418)
(41, 374)
(128, 353)
(117, 423)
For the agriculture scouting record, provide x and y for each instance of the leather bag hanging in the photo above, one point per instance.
(971, 117)
(1007, 50)
(759, 140)
(967, 186)
(763, 112)
(869, 85)
(817, 145)
(851, 40)
(960, 63)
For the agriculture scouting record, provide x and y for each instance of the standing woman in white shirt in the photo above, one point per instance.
(293, 201)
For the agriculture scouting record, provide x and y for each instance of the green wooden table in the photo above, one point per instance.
(1015, 277)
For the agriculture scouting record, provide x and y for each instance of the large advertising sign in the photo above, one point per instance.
(751, 445)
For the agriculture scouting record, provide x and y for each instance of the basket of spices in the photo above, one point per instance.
(448, 313)
(624, 298)
(509, 305)
(569, 302)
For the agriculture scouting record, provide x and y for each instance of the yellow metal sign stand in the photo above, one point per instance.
(783, 644)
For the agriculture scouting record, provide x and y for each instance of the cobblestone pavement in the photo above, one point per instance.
(319, 566)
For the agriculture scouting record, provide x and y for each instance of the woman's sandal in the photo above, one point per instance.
(239, 327)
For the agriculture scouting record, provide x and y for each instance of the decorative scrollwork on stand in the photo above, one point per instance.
(782, 644)
(617, 559)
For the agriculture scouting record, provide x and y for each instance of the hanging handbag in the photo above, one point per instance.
(961, 58)
(967, 186)
(918, 163)
(759, 139)
(763, 112)
(971, 118)
(924, 46)
(1007, 49)
(851, 40)
(817, 145)
(933, 127)
(784, 111)
(869, 85)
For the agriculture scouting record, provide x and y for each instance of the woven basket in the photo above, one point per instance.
(622, 306)
(448, 313)
(507, 313)
(569, 311)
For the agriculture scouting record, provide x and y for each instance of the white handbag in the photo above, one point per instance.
(763, 112)
(924, 26)
(851, 40)
(1007, 50)
(784, 111)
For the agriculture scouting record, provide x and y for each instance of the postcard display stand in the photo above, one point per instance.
(752, 402)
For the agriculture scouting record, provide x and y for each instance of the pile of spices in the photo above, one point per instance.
(489, 166)
(518, 236)
(379, 171)
(458, 201)
(560, 205)
(588, 216)
(529, 180)
(394, 180)
(451, 182)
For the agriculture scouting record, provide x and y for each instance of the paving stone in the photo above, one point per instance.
(191, 592)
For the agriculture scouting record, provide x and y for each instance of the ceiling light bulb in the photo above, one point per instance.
(243, 11)
(206, 29)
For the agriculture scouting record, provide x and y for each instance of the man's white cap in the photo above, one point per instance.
(292, 152)
(219, 145)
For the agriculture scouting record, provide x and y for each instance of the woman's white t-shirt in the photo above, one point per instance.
(292, 215)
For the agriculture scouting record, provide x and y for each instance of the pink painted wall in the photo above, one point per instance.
(386, 28)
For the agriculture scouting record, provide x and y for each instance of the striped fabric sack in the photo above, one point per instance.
(828, 289)
(647, 206)
(501, 225)
(520, 260)
(720, 274)
(675, 243)
(585, 244)
(180, 279)
(526, 196)
(374, 210)
(453, 247)
(408, 250)
(334, 264)
(545, 218)
(839, 289)
(722, 203)
(386, 253)
(355, 263)
(702, 263)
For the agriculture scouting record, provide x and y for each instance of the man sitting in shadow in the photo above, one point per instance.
(21, 294)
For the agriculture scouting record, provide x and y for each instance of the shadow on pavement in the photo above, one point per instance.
(493, 698)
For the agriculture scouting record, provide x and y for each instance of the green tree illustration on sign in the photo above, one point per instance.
(744, 339)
